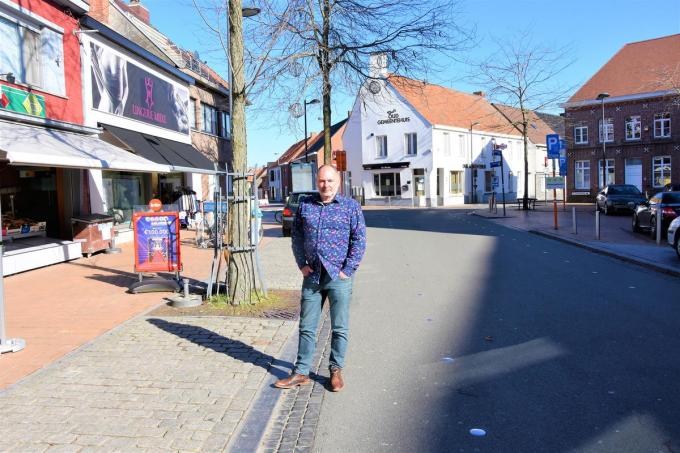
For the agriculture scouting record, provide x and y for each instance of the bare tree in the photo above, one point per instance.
(318, 46)
(524, 75)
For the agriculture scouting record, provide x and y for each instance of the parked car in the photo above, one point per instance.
(645, 215)
(671, 187)
(674, 235)
(291, 207)
(618, 197)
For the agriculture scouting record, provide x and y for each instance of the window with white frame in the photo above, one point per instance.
(633, 127)
(209, 117)
(461, 146)
(456, 182)
(661, 170)
(582, 174)
(33, 53)
(447, 144)
(609, 129)
(662, 125)
(581, 134)
(381, 145)
(411, 143)
(609, 171)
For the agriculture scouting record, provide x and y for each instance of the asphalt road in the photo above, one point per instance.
(458, 323)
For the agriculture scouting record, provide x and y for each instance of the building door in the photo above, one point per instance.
(419, 181)
(440, 186)
(634, 172)
(541, 193)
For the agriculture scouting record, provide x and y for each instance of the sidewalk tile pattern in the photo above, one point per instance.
(179, 384)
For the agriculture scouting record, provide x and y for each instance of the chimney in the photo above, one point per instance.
(479, 93)
(139, 11)
(99, 10)
(377, 65)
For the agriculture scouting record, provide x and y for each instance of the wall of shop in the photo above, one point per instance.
(56, 79)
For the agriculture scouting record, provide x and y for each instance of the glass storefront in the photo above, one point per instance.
(169, 184)
(124, 190)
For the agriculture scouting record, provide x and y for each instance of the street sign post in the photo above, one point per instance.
(554, 182)
(495, 163)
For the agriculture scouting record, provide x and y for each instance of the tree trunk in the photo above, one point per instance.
(325, 64)
(239, 275)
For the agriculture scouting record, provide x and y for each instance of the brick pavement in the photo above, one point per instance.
(58, 308)
(292, 426)
(152, 384)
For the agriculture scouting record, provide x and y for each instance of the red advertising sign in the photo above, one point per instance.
(156, 241)
(155, 205)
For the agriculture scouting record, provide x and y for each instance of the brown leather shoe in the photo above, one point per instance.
(292, 381)
(336, 380)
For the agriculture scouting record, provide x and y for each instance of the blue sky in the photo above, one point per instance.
(594, 30)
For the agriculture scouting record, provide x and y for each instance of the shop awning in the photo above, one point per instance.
(22, 144)
(178, 156)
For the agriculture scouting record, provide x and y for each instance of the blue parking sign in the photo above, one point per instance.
(553, 143)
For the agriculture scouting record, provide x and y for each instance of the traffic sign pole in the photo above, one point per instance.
(554, 199)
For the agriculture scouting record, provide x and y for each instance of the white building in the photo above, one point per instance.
(410, 142)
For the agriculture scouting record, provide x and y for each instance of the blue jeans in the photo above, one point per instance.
(339, 292)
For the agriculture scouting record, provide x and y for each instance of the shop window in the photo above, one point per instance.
(381, 145)
(192, 113)
(419, 181)
(633, 127)
(411, 140)
(581, 135)
(609, 129)
(33, 54)
(387, 184)
(582, 174)
(456, 182)
(661, 170)
(209, 115)
(122, 192)
(662, 125)
(609, 171)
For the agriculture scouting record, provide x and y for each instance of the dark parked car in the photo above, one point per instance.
(645, 215)
(291, 208)
(618, 197)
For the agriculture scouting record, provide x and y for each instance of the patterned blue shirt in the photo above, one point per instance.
(331, 235)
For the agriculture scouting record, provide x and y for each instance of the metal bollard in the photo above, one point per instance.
(597, 225)
(186, 287)
(574, 228)
(659, 219)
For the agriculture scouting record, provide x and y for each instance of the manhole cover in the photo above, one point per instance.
(279, 313)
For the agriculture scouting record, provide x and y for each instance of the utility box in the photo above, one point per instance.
(94, 232)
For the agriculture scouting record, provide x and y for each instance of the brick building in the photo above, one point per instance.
(642, 147)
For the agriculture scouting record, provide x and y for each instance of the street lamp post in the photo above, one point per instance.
(473, 186)
(313, 101)
(601, 97)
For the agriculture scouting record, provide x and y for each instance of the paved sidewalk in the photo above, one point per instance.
(142, 383)
(180, 384)
(616, 236)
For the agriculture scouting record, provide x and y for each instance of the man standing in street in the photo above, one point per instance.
(329, 240)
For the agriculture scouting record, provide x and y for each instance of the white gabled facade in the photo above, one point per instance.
(439, 173)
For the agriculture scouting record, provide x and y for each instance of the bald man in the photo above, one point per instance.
(329, 240)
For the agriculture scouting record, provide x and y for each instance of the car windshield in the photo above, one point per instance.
(671, 197)
(295, 197)
(624, 190)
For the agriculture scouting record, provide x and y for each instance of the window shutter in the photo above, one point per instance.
(52, 61)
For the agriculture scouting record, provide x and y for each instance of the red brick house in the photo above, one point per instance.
(642, 147)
